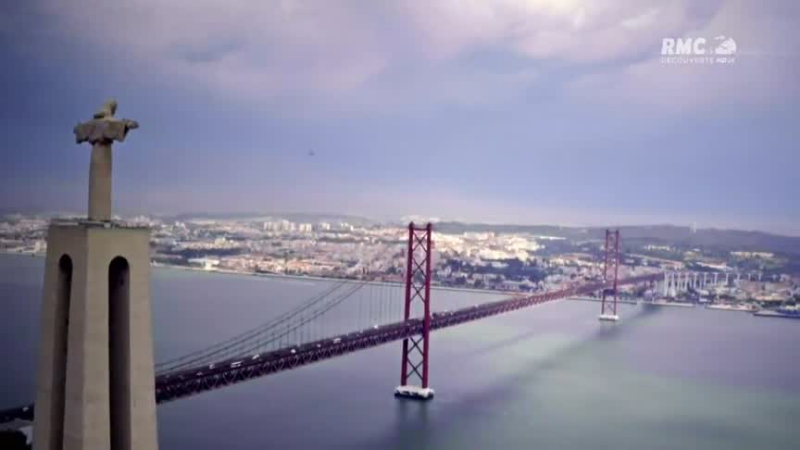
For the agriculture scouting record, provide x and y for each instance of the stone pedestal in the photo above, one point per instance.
(95, 386)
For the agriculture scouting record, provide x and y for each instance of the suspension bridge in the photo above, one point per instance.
(368, 314)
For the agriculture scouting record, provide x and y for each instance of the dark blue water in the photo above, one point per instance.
(549, 377)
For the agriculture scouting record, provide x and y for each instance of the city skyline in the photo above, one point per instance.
(379, 110)
(315, 217)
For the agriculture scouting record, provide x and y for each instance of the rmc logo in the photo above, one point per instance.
(698, 50)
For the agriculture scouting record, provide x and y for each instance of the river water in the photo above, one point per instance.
(551, 377)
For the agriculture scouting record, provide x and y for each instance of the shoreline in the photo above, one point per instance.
(278, 276)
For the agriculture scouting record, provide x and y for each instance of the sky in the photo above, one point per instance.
(498, 111)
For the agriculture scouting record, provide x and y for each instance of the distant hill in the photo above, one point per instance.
(730, 240)
(713, 237)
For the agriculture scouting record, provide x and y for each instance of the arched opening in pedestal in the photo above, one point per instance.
(60, 347)
(119, 352)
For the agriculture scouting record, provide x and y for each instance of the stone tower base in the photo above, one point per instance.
(95, 386)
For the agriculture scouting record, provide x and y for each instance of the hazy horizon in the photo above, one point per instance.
(232, 215)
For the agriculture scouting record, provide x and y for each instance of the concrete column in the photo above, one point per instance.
(676, 283)
(100, 182)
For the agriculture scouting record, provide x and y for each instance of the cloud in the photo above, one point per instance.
(374, 56)
(243, 49)
(568, 30)
(767, 61)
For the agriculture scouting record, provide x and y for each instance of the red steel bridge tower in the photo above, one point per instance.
(418, 295)
(608, 308)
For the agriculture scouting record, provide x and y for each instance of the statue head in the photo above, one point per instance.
(107, 110)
